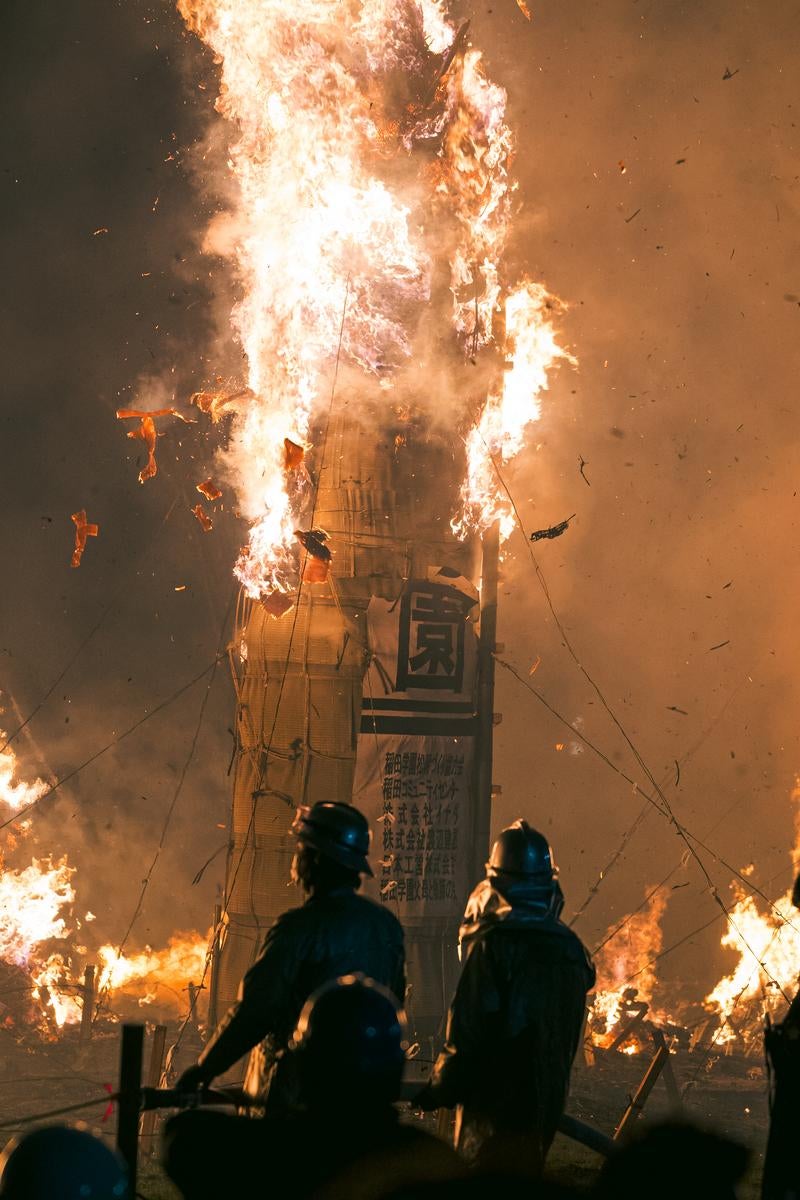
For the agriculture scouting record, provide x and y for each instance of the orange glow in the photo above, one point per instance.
(209, 489)
(203, 517)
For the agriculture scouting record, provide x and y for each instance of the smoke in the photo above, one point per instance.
(676, 270)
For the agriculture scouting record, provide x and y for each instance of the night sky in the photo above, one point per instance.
(681, 273)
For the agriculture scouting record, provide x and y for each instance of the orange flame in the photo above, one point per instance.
(83, 530)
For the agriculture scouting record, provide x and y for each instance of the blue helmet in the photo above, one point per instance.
(524, 853)
(351, 1034)
(339, 831)
(59, 1162)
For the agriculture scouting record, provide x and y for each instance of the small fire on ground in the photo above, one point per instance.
(760, 936)
(43, 940)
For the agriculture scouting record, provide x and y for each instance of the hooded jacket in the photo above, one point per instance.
(516, 1017)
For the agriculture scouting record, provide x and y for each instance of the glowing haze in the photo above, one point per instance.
(366, 142)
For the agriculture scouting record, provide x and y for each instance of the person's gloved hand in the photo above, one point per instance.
(193, 1078)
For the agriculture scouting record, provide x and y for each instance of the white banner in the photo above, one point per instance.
(413, 778)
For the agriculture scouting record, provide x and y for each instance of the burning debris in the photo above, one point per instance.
(148, 433)
(552, 531)
(318, 555)
(209, 489)
(83, 530)
(203, 518)
(219, 404)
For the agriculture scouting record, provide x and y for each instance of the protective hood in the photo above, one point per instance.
(519, 906)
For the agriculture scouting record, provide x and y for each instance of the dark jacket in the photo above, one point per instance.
(334, 933)
(515, 1021)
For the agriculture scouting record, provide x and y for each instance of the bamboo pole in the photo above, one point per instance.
(481, 826)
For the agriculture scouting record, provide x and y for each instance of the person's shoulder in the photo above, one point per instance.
(288, 924)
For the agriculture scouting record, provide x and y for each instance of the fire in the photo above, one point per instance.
(14, 792)
(150, 974)
(36, 903)
(625, 964)
(352, 127)
(767, 942)
(31, 904)
(532, 352)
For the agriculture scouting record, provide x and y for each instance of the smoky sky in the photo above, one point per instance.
(658, 198)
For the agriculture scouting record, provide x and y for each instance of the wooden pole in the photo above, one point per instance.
(673, 1091)
(88, 1004)
(643, 1091)
(481, 826)
(154, 1073)
(130, 1086)
(213, 986)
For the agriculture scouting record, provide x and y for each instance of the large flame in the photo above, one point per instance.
(626, 961)
(162, 974)
(767, 942)
(15, 793)
(531, 352)
(366, 141)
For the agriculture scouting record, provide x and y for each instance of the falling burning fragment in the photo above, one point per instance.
(202, 516)
(209, 489)
(148, 433)
(552, 531)
(293, 455)
(83, 530)
(219, 404)
(318, 556)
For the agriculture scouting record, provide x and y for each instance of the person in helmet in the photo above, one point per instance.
(335, 932)
(516, 1017)
(346, 1140)
(60, 1162)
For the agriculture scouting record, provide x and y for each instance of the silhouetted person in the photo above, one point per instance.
(674, 1160)
(334, 933)
(781, 1179)
(516, 1017)
(348, 1143)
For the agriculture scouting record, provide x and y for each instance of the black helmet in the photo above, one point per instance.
(57, 1162)
(796, 893)
(336, 830)
(351, 1035)
(522, 852)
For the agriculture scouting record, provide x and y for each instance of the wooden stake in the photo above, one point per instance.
(213, 992)
(154, 1073)
(673, 1091)
(643, 1091)
(88, 1004)
(130, 1085)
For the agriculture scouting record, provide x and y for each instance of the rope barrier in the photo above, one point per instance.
(106, 1098)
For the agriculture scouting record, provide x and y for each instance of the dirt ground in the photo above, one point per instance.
(727, 1095)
